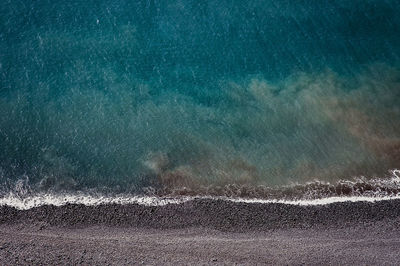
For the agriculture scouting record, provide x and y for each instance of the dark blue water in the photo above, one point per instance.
(127, 95)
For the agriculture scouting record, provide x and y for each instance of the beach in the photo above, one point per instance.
(201, 232)
(186, 132)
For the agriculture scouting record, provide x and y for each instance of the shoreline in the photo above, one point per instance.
(208, 213)
(58, 200)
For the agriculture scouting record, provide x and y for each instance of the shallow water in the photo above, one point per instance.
(263, 99)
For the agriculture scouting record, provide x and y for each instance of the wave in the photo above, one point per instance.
(313, 193)
(360, 186)
(87, 200)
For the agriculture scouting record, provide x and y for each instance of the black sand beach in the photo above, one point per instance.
(202, 232)
(129, 129)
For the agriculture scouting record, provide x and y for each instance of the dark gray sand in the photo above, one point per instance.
(202, 232)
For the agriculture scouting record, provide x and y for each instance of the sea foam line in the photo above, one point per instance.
(88, 200)
(28, 202)
(322, 201)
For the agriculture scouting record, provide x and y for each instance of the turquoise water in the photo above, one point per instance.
(127, 95)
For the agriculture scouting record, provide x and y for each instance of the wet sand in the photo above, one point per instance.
(220, 232)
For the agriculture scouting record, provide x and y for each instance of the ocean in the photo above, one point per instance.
(259, 99)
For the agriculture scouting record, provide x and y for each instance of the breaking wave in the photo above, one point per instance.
(313, 193)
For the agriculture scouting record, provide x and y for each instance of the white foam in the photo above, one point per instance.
(88, 200)
(59, 199)
(63, 199)
(322, 201)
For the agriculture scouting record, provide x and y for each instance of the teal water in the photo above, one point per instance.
(127, 95)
